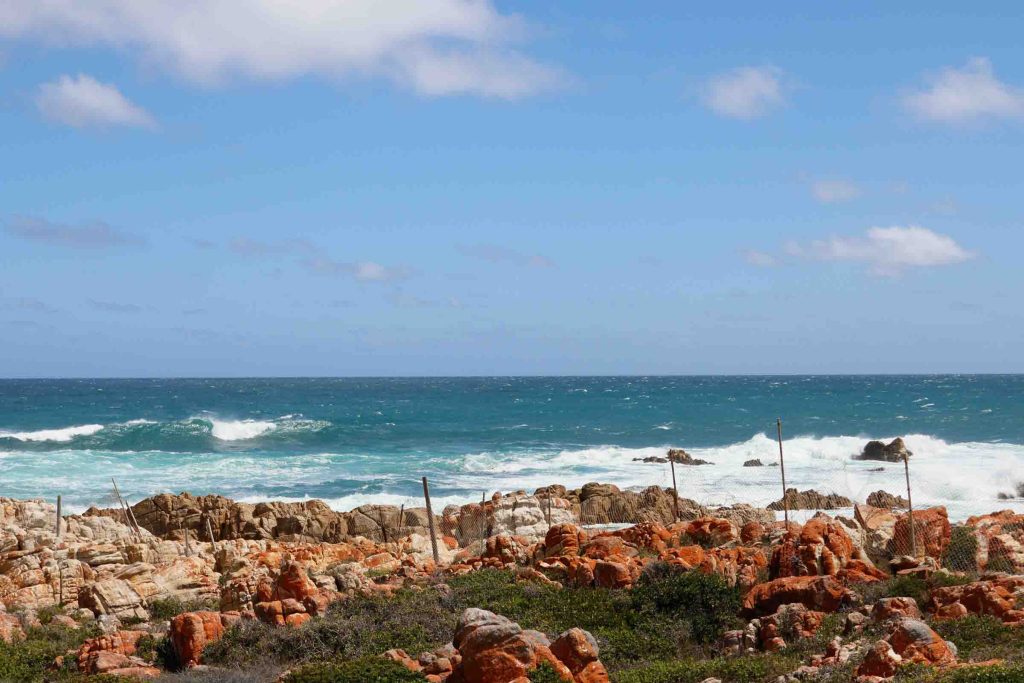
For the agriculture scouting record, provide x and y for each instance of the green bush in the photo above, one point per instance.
(910, 586)
(26, 659)
(545, 673)
(981, 674)
(167, 608)
(362, 670)
(746, 669)
(705, 602)
(980, 638)
(962, 552)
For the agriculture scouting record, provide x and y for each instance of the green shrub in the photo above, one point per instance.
(962, 552)
(545, 673)
(980, 638)
(981, 674)
(1000, 564)
(746, 669)
(910, 586)
(168, 608)
(26, 659)
(705, 602)
(362, 670)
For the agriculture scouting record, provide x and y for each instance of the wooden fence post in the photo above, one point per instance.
(782, 467)
(57, 531)
(675, 490)
(910, 507)
(430, 522)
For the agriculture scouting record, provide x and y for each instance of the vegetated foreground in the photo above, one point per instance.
(297, 592)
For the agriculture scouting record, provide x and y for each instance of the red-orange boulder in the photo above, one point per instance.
(191, 632)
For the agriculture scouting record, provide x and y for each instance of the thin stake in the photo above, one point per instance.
(57, 531)
(910, 507)
(120, 501)
(782, 467)
(383, 527)
(675, 490)
(209, 532)
(430, 522)
(188, 547)
(401, 519)
(131, 512)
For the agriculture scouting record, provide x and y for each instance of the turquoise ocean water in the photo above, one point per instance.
(349, 441)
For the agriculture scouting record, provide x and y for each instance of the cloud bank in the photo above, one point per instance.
(435, 47)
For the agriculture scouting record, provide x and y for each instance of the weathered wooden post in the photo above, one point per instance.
(209, 532)
(188, 546)
(430, 522)
(57, 530)
(910, 507)
(675, 490)
(782, 468)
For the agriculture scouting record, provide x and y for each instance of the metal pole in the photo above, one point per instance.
(57, 531)
(430, 522)
(910, 507)
(782, 467)
(675, 490)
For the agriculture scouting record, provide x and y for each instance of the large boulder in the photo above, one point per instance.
(681, 457)
(112, 596)
(822, 548)
(911, 642)
(931, 533)
(998, 597)
(578, 650)
(191, 632)
(820, 593)
(894, 451)
(494, 649)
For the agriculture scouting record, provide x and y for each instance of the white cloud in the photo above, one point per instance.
(834, 191)
(887, 251)
(82, 101)
(364, 271)
(760, 258)
(436, 47)
(747, 92)
(970, 93)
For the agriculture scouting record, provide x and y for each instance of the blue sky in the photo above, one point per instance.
(346, 187)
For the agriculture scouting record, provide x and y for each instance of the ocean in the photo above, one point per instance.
(351, 441)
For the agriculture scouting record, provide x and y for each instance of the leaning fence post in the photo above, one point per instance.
(910, 507)
(782, 468)
(209, 532)
(675, 490)
(430, 522)
(57, 531)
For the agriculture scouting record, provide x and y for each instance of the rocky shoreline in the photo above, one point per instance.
(285, 564)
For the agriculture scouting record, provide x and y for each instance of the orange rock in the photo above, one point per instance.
(191, 632)
(752, 532)
(995, 597)
(494, 649)
(916, 642)
(606, 546)
(647, 535)
(608, 574)
(293, 583)
(893, 608)
(931, 531)
(823, 593)
(578, 650)
(104, 653)
(564, 540)
(822, 548)
(712, 531)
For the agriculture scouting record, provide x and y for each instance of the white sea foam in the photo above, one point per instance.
(239, 430)
(62, 434)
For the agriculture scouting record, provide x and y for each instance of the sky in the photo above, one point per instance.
(470, 187)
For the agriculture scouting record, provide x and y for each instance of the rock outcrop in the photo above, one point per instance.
(894, 451)
(681, 457)
(811, 500)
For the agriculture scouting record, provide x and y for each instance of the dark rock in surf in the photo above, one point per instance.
(651, 458)
(894, 451)
(811, 500)
(681, 457)
(756, 462)
(886, 500)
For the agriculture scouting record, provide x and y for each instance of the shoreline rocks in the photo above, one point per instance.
(811, 500)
